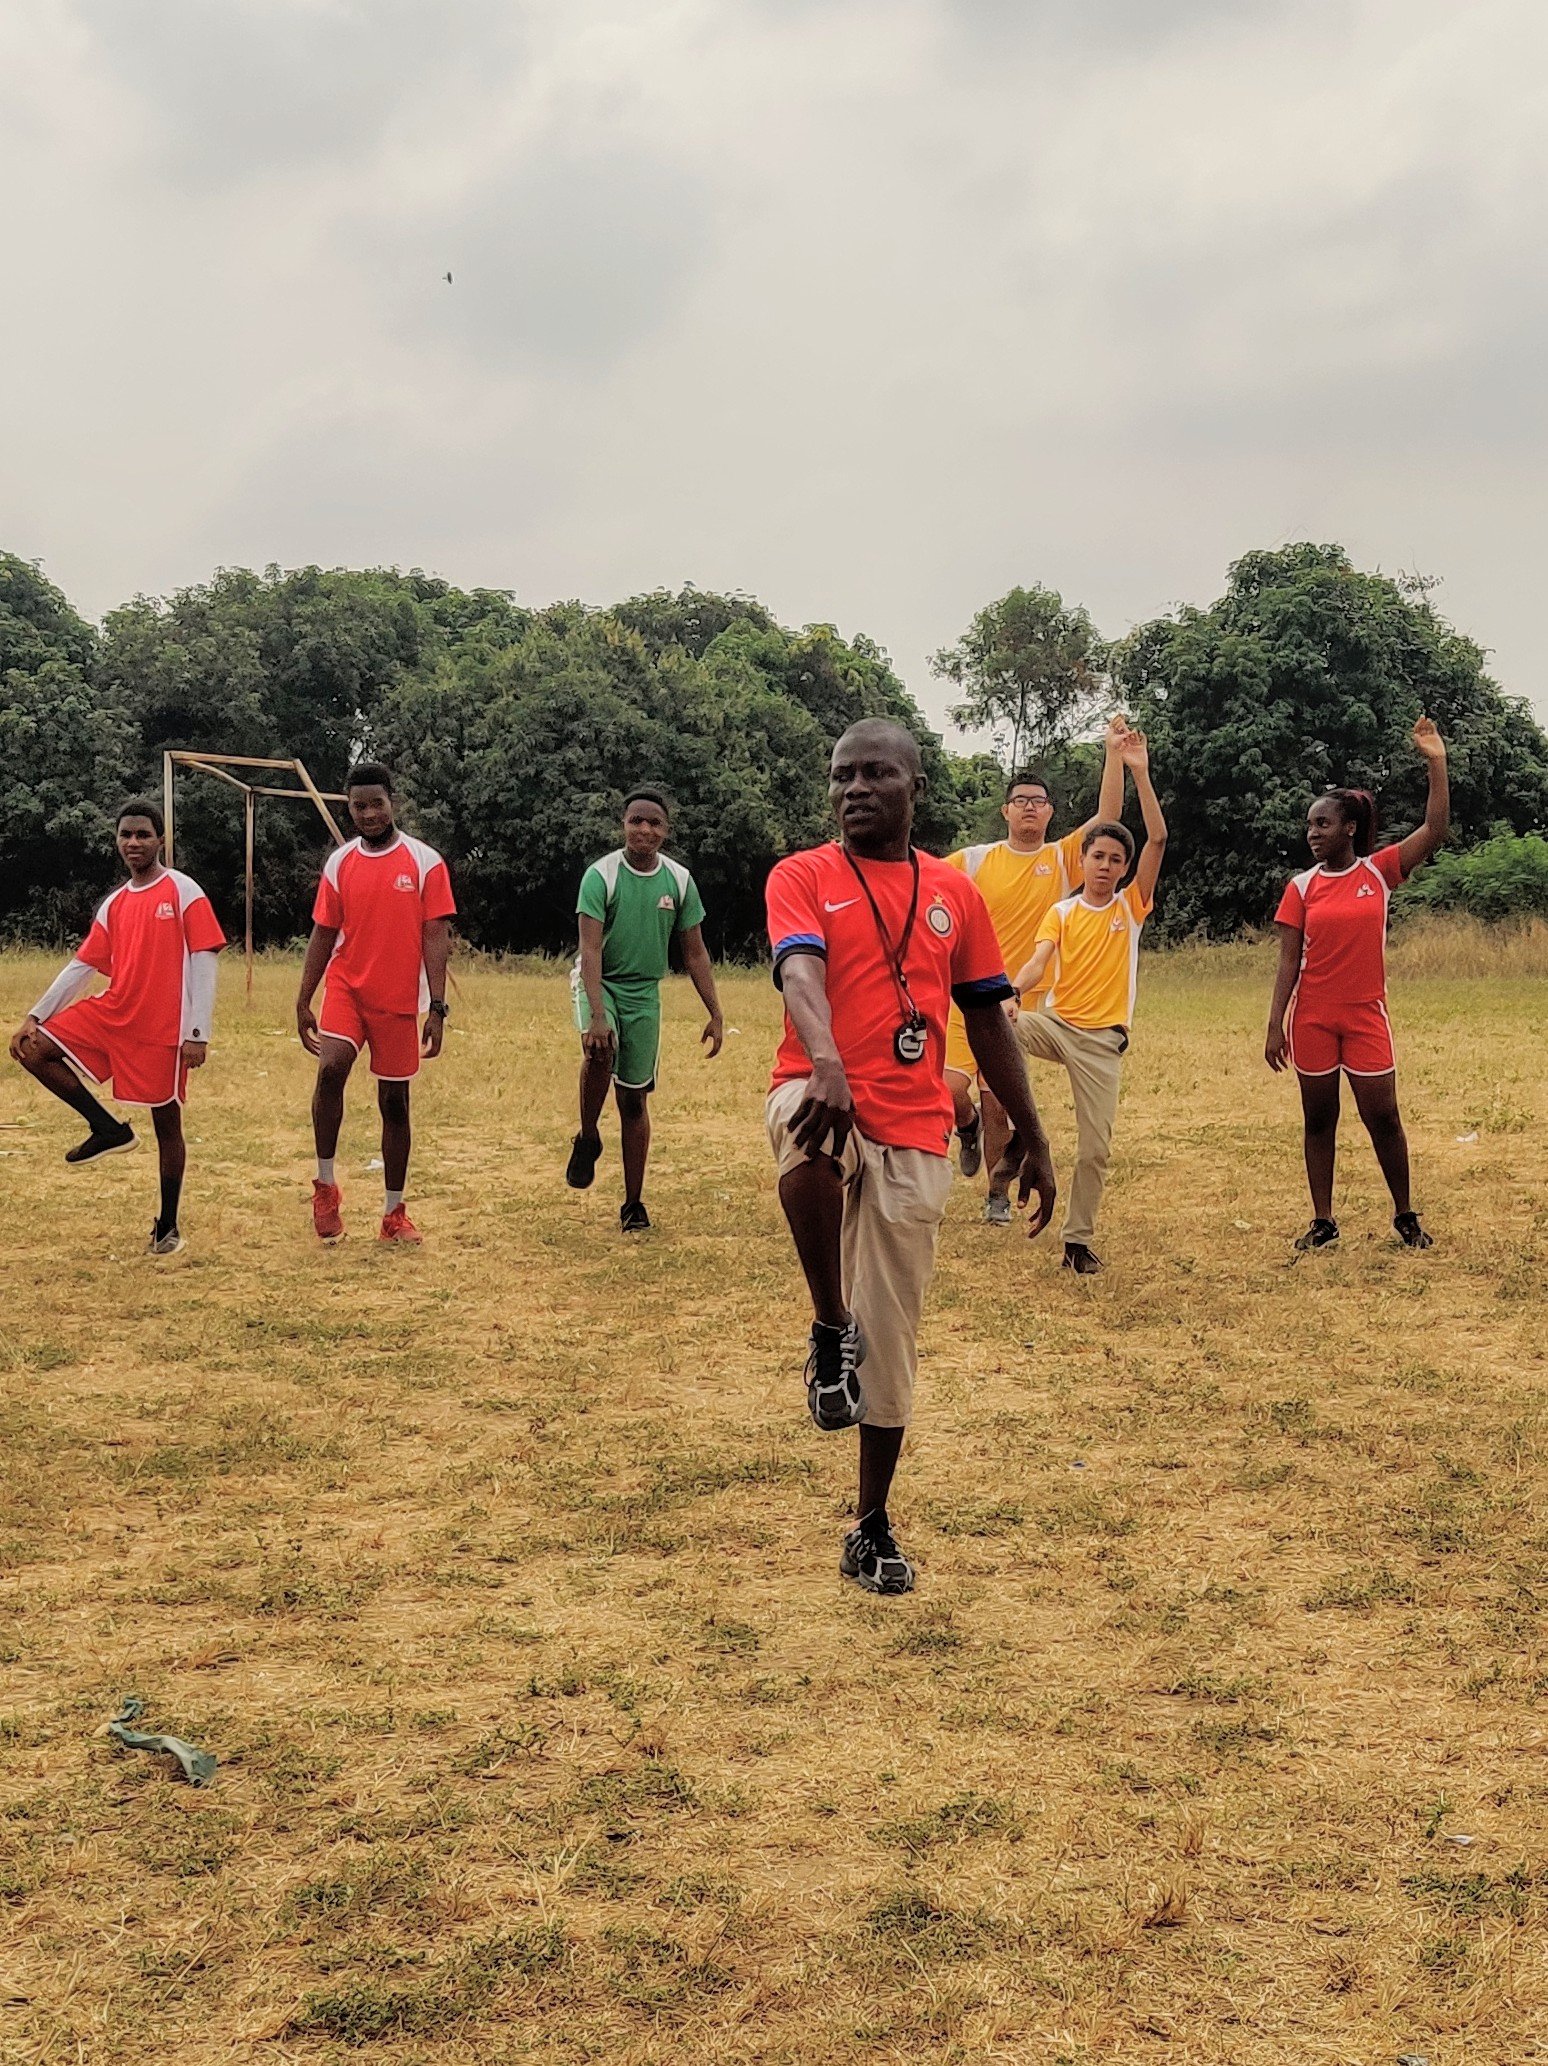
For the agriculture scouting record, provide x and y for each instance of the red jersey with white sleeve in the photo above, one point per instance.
(817, 904)
(379, 900)
(141, 940)
(1343, 922)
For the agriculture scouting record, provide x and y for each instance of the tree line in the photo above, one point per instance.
(516, 732)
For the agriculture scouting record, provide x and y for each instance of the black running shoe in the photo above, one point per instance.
(1084, 1261)
(96, 1145)
(833, 1395)
(582, 1165)
(1410, 1233)
(633, 1219)
(1320, 1234)
(970, 1147)
(871, 1557)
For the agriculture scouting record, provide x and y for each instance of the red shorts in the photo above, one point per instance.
(391, 1036)
(140, 1075)
(1356, 1038)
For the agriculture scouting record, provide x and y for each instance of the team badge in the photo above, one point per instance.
(405, 882)
(938, 919)
(1365, 890)
(165, 910)
(1115, 925)
(665, 904)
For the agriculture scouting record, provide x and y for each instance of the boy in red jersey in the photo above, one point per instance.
(873, 941)
(380, 930)
(1332, 923)
(155, 939)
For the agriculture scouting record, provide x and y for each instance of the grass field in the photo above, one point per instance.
(502, 1580)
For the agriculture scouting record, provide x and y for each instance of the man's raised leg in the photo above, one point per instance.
(40, 1058)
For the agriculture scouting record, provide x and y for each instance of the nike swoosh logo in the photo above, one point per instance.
(841, 907)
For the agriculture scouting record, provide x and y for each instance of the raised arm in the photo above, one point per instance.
(1419, 845)
(701, 973)
(1136, 757)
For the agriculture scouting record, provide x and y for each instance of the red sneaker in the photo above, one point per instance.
(397, 1226)
(326, 1200)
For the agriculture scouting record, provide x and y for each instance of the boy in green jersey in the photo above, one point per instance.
(630, 904)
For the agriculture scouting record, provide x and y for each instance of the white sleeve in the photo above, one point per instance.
(72, 981)
(199, 996)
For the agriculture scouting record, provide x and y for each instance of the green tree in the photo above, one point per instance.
(1309, 672)
(66, 760)
(1032, 671)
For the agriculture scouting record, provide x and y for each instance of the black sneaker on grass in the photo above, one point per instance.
(582, 1165)
(833, 1395)
(871, 1557)
(970, 1147)
(633, 1218)
(1410, 1233)
(97, 1145)
(1320, 1234)
(1084, 1261)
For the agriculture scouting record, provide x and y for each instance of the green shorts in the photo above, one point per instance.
(634, 1013)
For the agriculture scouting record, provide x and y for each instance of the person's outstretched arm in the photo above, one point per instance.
(1110, 795)
(1291, 940)
(1026, 1160)
(828, 1106)
(1136, 756)
(318, 949)
(701, 972)
(1418, 847)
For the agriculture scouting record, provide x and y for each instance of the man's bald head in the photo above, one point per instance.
(870, 735)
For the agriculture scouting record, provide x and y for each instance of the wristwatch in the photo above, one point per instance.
(440, 1007)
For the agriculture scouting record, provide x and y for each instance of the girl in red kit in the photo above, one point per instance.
(1332, 923)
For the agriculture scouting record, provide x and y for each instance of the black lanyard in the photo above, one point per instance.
(909, 1041)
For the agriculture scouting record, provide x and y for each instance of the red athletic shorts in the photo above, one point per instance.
(391, 1036)
(140, 1075)
(1356, 1038)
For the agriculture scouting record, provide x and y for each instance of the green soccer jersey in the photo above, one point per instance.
(639, 914)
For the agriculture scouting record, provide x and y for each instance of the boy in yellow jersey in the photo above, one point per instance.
(1087, 956)
(1020, 878)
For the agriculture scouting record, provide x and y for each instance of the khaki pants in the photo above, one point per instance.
(1095, 1062)
(894, 1200)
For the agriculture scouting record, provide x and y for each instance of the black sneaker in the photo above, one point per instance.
(1320, 1234)
(871, 1557)
(96, 1145)
(633, 1218)
(582, 1165)
(833, 1395)
(1084, 1261)
(1410, 1233)
(970, 1147)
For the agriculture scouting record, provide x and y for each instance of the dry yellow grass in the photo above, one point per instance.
(502, 1580)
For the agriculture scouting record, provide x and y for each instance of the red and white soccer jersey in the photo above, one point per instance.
(1338, 1017)
(816, 906)
(141, 939)
(379, 900)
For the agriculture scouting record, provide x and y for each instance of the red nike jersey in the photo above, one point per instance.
(379, 901)
(140, 940)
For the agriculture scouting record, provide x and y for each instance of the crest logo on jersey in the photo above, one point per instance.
(1115, 923)
(1042, 868)
(1365, 890)
(938, 919)
(405, 882)
(665, 904)
(166, 910)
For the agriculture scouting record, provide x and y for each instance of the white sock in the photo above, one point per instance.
(325, 1169)
(394, 1200)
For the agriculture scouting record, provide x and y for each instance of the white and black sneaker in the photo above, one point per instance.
(970, 1147)
(96, 1145)
(871, 1556)
(833, 1395)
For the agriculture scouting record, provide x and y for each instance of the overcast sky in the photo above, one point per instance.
(872, 308)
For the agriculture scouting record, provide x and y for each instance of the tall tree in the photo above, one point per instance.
(1308, 672)
(1032, 671)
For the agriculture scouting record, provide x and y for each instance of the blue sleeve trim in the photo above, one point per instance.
(986, 990)
(797, 943)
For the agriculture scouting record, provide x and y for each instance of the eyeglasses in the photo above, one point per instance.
(1030, 803)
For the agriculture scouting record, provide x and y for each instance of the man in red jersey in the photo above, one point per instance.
(873, 941)
(380, 930)
(155, 939)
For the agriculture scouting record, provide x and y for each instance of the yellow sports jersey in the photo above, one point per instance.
(1020, 890)
(1095, 969)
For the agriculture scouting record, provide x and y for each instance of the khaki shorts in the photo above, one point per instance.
(894, 1199)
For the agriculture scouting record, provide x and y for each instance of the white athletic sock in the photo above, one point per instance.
(325, 1169)
(394, 1200)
